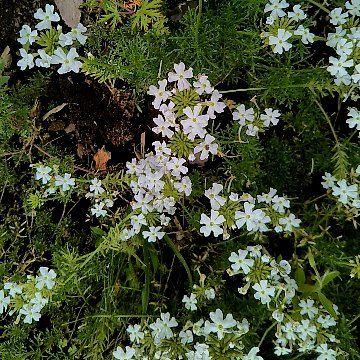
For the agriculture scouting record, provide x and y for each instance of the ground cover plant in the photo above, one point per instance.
(179, 179)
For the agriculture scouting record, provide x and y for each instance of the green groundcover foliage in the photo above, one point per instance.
(180, 180)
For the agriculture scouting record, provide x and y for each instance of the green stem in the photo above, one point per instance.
(326, 116)
(181, 258)
(320, 6)
(266, 332)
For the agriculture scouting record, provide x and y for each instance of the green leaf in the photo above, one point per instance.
(312, 260)
(327, 304)
(146, 290)
(329, 276)
(308, 289)
(300, 276)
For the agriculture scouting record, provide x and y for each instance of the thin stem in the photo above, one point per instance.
(326, 116)
(320, 6)
(354, 319)
(266, 332)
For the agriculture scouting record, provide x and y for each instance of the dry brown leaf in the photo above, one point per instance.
(101, 158)
(6, 56)
(70, 128)
(54, 110)
(69, 11)
(81, 151)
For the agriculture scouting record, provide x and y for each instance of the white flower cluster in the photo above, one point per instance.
(200, 295)
(58, 48)
(346, 42)
(101, 196)
(253, 121)
(159, 180)
(28, 299)
(202, 340)
(303, 327)
(255, 214)
(347, 194)
(279, 38)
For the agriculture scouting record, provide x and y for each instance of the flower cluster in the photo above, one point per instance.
(159, 180)
(302, 324)
(98, 191)
(256, 214)
(54, 46)
(28, 299)
(284, 25)
(353, 119)
(345, 41)
(254, 121)
(203, 340)
(348, 194)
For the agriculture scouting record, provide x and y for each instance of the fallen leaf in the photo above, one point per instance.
(69, 11)
(54, 110)
(81, 151)
(57, 125)
(101, 158)
(70, 128)
(6, 56)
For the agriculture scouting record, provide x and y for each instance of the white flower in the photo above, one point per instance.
(161, 329)
(356, 75)
(68, 61)
(31, 312)
(210, 294)
(280, 203)
(45, 279)
(337, 17)
(240, 261)
(306, 36)
(44, 60)
(216, 201)
(176, 166)
(252, 355)
(338, 65)
(290, 222)
(66, 181)
(278, 315)
(96, 186)
(186, 336)
(77, 33)
(206, 147)
(252, 130)
(345, 191)
(264, 291)
(26, 61)
(334, 38)
(267, 198)
(13, 288)
(270, 117)
(326, 322)
(98, 210)
(135, 333)
(46, 17)
(42, 173)
(190, 302)
(353, 7)
(214, 105)
(344, 47)
(162, 127)
(308, 308)
(254, 219)
(181, 75)
(297, 14)
(325, 352)
(185, 186)
(219, 324)
(160, 93)
(212, 223)
(27, 35)
(329, 181)
(242, 115)
(120, 354)
(195, 123)
(306, 330)
(353, 119)
(39, 301)
(65, 39)
(203, 85)
(153, 234)
(280, 41)
(4, 301)
(276, 8)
